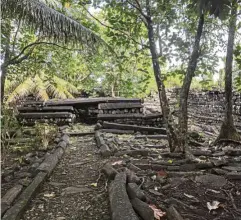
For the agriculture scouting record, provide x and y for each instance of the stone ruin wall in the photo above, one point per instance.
(208, 103)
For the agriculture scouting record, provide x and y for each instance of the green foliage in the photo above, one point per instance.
(126, 70)
(45, 135)
(42, 87)
(8, 123)
(49, 22)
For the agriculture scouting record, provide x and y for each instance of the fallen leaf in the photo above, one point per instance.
(161, 173)
(157, 212)
(170, 161)
(119, 162)
(41, 206)
(49, 195)
(213, 205)
(94, 184)
(188, 196)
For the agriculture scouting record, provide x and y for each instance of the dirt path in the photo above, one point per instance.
(71, 191)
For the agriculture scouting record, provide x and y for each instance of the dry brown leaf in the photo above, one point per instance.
(157, 212)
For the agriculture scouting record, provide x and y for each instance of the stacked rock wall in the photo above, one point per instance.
(208, 106)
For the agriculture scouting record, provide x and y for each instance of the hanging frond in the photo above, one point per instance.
(52, 3)
(24, 89)
(40, 89)
(49, 22)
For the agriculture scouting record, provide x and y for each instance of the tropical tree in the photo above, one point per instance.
(48, 22)
(228, 130)
(218, 9)
(153, 15)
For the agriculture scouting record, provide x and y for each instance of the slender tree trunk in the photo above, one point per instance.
(3, 78)
(172, 138)
(4, 66)
(113, 90)
(183, 114)
(228, 130)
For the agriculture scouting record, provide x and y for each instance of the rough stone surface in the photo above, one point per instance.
(74, 190)
(17, 209)
(121, 207)
(211, 180)
(135, 192)
(142, 209)
(173, 214)
(234, 175)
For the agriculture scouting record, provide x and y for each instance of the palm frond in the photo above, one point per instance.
(10, 86)
(68, 94)
(49, 22)
(24, 89)
(56, 92)
(40, 89)
(69, 86)
(52, 3)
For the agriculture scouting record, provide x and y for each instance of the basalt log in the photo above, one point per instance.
(121, 207)
(152, 130)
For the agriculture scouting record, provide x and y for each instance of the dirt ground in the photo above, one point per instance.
(75, 190)
(78, 190)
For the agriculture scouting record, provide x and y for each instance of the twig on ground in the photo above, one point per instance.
(106, 184)
(142, 182)
(100, 174)
(229, 194)
(232, 200)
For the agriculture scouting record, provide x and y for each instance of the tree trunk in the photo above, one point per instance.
(183, 114)
(5, 64)
(228, 130)
(113, 90)
(3, 78)
(172, 137)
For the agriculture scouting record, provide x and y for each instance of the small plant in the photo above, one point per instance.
(45, 134)
(9, 127)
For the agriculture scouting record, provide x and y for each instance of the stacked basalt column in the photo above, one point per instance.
(127, 200)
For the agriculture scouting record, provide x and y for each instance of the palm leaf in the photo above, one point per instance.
(68, 94)
(40, 89)
(24, 89)
(55, 92)
(49, 22)
(10, 86)
(70, 87)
